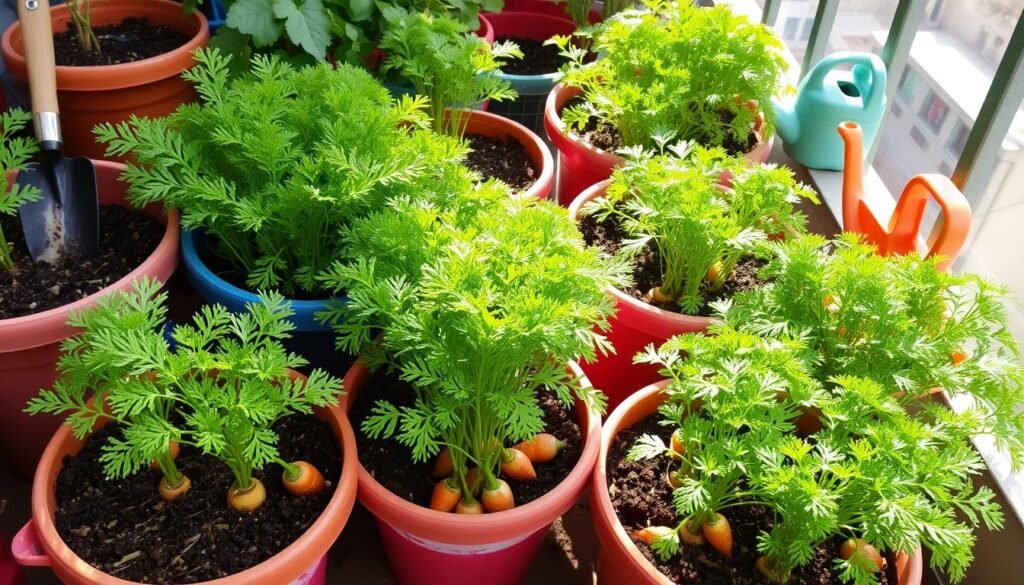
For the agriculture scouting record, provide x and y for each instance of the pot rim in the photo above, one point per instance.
(326, 527)
(457, 529)
(480, 122)
(545, 22)
(18, 334)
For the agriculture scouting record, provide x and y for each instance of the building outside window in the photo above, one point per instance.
(933, 112)
(791, 28)
(957, 140)
(909, 84)
(808, 25)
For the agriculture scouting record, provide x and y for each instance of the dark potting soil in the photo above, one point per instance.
(506, 160)
(647, 274)
(390, 463)
(606, 137)
(134, 39)
(125, 529)
(642, 497)
(538, 58)
(127, 237)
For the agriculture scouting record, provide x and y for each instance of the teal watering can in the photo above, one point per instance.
(826, 98)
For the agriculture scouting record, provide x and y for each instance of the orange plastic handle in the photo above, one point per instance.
(901, 234)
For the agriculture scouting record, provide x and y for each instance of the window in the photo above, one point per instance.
(918, 137)
(909, 84)
(957, 140)
(933, 112)
(792, 26)
(936, 11)
(946, 169)
(982, 39)
(808, 25)
(896, 110)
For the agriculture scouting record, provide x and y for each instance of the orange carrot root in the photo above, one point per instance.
(543, 447)
(652, 533)
(672, 477)
(719, 534)
(714, 272)
(516, 465)
(958, 357)
(765, 568)
(690, 537)
(172, 492)
(248, 500)
(658, 296)
(174, 448)
(473, 507)
(862, 549)
(498, 499)
(443, 466)
(830, 303)
(446, 496)
(473, 480)
(677, 442)
(309, 481)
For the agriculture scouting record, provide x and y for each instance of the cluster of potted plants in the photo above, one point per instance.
(348, 209)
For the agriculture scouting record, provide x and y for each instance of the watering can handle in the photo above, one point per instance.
(905, 223)
(862, 63)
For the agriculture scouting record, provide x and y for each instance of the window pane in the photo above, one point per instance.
(792, 25)
(909, 84)
(957, 140)
(933, 112)
(919, 137)
(808, 25)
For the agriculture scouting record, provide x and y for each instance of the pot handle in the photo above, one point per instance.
(27, 548)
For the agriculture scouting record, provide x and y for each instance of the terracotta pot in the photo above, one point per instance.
(635, 325)
(580, 165)
(301, 563)
(620, 562)
(497, 549)
(487, 124)
(30, 345)
(92, 95)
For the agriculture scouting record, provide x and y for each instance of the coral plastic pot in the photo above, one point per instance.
(580, 165)
(30, 345)
(311, 339)
(303, 562)
(528, 108)
(546, 7)
(91, 95)
(620, 562)
(487, 124)
(426, 547)
(635, 325)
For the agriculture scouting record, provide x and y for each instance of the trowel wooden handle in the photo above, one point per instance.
(37, 36)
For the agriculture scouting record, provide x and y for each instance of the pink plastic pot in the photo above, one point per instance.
(545, 7)
(303, 562)
(620, 562)
(30, 345)
(426, 547)
(580, 165)
(635, 325)
(10, 572)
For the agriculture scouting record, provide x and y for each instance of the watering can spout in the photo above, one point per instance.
(853, 186)
(787, 124)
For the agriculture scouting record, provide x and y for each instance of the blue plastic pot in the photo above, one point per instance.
(528, 108)
(311, 339)
(215, 13)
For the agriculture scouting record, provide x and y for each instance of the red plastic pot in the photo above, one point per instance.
(30, 345)
(619, 561)
(301, 563)
(426, 547)
(92, 95)
(546, 7)
(635, 325)
(580, 165)
(490, 125)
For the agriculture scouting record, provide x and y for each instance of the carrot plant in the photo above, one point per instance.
(486, 311)
(273, 164)
(447, 63)
(220, 390)
(15, 152)
(700, 229)
(676, 72)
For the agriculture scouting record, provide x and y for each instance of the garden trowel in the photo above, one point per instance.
(65, 220)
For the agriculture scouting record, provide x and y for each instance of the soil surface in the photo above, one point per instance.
(647, 273)
(134, 39)
(505, 160)
(125, 529)
(606, 137)
(538, 58)
(127, 237)
(390, 462)
(642, 497)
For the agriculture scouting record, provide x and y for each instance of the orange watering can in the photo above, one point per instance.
(901, 235)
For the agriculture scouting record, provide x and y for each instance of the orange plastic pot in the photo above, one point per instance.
(619, 561)
(903, 231)
(580, 164)
(426, 547)
(301, 563)
(635, 325)
(492, 126)
(92, 95)
(30, 345)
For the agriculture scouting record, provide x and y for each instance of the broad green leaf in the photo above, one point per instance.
(256, 18)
